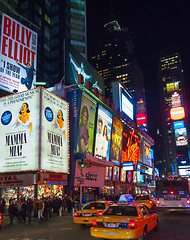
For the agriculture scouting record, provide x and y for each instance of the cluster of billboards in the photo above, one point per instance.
(34, 132)
(103, 135)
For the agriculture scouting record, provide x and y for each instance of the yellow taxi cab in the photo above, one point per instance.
(124, 221)
(90, 211)
(1, 220)
(147, 200)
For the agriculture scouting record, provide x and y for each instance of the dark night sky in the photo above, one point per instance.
(154, 27)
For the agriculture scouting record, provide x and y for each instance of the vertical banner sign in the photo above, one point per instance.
(116, 142)
(131, 146)
(86, 125)
(103, 134)
(18, 56)
(55, 130)
(19, 128)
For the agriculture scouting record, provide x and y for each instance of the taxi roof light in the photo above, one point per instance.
(132, 225)
(94, 223)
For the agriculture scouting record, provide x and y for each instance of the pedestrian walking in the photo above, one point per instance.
(29, 207)
(11, 211)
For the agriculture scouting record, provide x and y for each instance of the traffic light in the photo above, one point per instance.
(82, 163)
(88, 163)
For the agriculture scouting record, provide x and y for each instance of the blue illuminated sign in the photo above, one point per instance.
(178, 124)
(128, 166)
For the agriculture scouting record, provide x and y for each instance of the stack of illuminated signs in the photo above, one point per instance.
(177, 114)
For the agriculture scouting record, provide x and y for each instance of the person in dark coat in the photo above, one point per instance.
(11, 211)
(29, 207)
(23, 210)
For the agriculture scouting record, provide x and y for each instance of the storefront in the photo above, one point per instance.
(32, 185)
(93, 177)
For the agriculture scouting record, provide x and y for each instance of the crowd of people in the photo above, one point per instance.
(41, 209)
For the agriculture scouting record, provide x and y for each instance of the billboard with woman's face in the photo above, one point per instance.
(103, 134)
(116, 141)
(86, 125)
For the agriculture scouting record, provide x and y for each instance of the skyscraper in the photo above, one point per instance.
(173, 113)
(115, 61)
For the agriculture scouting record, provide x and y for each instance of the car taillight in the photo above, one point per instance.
(150, 202)
(99, 214)
(188, 201)
(171, 192)
(1, 217)
(94, 223)
(158, 201)
(132, 225)
(76, 214)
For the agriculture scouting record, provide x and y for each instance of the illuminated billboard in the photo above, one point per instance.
(115, 173)
(171, 87)
(141, 118)
(148, 154)
(122, 175)
(77, 65)
(18, 56)
(54, 135)
(175, 100)
(178, 124)
(128, 166)
(103, 134)
(19, 127)
(181, 137)
(108, 173)
(184, 170)
(116, 141)
(126, 106)
(34, 132)
(131, 146)
(86, 125)
(177, 113)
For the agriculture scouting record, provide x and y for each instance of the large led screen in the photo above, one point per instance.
(19, 128)
(126, 106)
(55, 133)
(131, 146)
(116, 141)
(147, 154)
(103, 133)
(86, 125)
(18, 56)
(181, 136)
(177, 113)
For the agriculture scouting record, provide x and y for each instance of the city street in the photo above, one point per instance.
(173, 226)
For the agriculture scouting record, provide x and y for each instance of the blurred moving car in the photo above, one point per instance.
(124, 221)
(1, 220)
(146, 199)
(90, 211)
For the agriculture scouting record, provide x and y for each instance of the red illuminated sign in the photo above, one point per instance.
(141, 118)
(177, 113)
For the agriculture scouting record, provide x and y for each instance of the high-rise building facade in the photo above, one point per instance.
(173, 114)
(53, 20)
(115, 61)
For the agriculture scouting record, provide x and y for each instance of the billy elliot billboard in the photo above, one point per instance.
(34, 132)
(18, 56)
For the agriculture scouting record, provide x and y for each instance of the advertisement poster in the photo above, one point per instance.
(86, 125)
(131, 146)
(76, 64)
(55, 139)
(18, 56)
(108, 173)
(148, 157)
(181, 137)
(116, 142)
(115, 173)
(103, 134)
(122, 175)
(19, 127)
